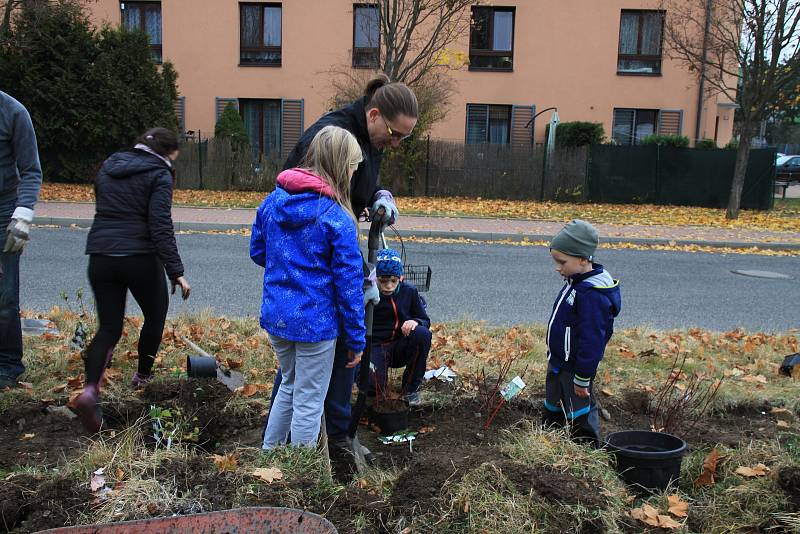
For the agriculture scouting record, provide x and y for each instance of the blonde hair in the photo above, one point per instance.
(331, 154)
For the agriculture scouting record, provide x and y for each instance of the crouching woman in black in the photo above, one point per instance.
(130, 246)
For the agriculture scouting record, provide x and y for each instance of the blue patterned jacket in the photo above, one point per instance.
(313, 272)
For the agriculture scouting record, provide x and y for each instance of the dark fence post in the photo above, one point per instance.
(200, 158)
(427, 164)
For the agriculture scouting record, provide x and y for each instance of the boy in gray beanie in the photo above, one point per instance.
(579, 328)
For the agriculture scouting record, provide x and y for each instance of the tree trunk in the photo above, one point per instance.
(742, 156)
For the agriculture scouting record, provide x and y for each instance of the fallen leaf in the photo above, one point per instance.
(74, 382)
(759, 470)
(709, 469)
(120, 474)
(757, 379)
(783, 424)
(226, 462)
(665, 521)
(362, 483)
(233, 364)
(59, 388)
(607, 392)
(426, 429)
(647, 514)
(677, 507)
(26, 385)
(248, 390)
(26, 437)
(268, 474)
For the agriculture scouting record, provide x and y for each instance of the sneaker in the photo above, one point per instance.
(87, 408)
(412, 399)
(140, 380)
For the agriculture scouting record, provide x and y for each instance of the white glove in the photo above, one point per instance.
(371, 293)
(384, 199)
(18, 230)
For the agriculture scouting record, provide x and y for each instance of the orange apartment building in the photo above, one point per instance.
(594, 61)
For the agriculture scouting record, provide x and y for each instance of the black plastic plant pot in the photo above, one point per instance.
(645, 459)
(201, 366)
(390, 421)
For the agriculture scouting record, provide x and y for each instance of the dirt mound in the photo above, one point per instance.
(552, 485)
(31, 435)
(31, 504)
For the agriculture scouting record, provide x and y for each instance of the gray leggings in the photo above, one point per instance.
(298, 407)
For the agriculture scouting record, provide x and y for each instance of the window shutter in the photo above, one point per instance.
(670, 122)
(622, 129)
(521, 131)
(291, 125)
(222, 102)
(180, 112)
(477, 123)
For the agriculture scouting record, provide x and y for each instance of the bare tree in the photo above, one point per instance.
(745, 46)
(411, 42)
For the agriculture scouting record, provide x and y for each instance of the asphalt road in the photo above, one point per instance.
(501, 284)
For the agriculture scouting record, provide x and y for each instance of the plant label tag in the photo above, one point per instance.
(513, 388)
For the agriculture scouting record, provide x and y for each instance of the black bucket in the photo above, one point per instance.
(201, 367)
(650, 460)
(389, 422)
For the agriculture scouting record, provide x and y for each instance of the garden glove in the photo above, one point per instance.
(18, 230)
(384, 199)
(371, 293)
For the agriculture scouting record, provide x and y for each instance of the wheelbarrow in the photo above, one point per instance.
(261, 520)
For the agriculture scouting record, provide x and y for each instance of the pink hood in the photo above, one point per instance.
(301, 181)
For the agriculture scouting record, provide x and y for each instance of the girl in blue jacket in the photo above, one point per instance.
(306, 237)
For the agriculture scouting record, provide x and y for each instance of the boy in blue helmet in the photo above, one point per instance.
(579, 328)
(401, 335)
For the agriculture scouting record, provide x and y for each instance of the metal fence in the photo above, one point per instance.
(219, 164)
(452, 168)
(601, 173)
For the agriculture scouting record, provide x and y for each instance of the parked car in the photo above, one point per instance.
(787, 168)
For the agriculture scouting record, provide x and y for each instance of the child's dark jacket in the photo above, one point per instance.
(395, 309)
(582, 322)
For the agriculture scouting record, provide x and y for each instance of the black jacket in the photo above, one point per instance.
(133, 193)
(394, 310)
(352, 118)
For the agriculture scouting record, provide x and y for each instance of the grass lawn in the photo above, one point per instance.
(184, 446)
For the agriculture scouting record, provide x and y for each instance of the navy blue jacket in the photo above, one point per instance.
(582, 322)
(395, 309)
(313, 273)
(352, 118)
(133, 210)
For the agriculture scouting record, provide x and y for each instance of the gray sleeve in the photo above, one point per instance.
(26, 153)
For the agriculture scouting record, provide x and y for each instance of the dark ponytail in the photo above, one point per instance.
(391, 98)
(160, 140)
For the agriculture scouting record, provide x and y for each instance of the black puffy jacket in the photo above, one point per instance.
(352, 118)
(133, 193)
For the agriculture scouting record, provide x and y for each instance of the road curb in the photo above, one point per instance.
(435, 234)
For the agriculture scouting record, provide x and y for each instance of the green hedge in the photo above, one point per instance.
(678, 141)
(578, 133)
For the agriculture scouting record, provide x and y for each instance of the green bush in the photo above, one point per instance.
(578, 133)
(705, 144)
(231, 126)
(733, 144)
(679, 141)
(89, 92)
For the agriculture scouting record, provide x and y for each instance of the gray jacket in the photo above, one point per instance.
(19, 157)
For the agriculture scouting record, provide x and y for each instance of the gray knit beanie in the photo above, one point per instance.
(577, 238)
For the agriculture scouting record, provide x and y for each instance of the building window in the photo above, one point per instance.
(631, 126)
(144, 17)
(491, 38)
(260, 34)
(366, 36)
(262, 120)
(640, 37)
(488, 124)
